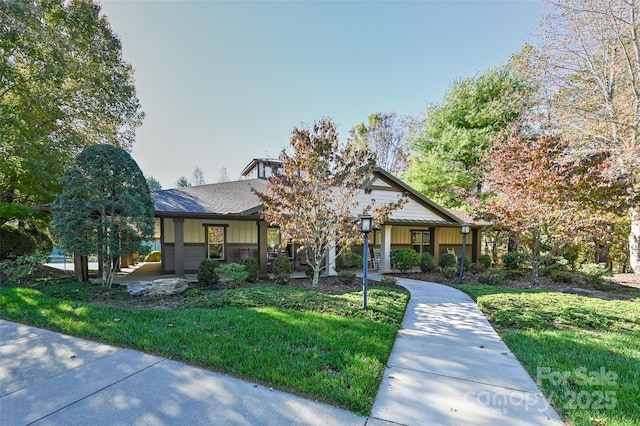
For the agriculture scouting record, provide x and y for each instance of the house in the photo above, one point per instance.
(222, 221)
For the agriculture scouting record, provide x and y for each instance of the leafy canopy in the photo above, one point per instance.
(63, 86)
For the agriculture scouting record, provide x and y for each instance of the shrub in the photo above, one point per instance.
(351, 261)
(467, 263)
(492, 277)
(154, 256)
(282, 269)
(427, 263)
(388, 281)
(562, 276)
(22, 269)
(16, 243)
(208, 272)
(553, 268)
(346, 277)
(447, 260)
(514, 260)
(449, 271)
(236, 271)
(252, 267)
(405, 259)
(484, 262)
(593, 272)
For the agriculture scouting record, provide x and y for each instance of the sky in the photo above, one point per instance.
(224, 82)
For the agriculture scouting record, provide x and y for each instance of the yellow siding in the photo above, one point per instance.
(402, 234)
(451, 236)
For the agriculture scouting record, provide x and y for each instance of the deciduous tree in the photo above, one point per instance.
(105, 209)
(386, 135)
(313, 199)
(63, 86)
(587, 69)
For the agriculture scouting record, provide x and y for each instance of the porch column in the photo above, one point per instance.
(435, 241)
(385, 249)
(263, 254)
(331, 261)
(178, 238)
(476, 247)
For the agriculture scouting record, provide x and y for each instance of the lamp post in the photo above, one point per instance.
(366, 224)
(464, 229)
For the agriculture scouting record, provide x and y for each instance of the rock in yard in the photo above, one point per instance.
(159, 287)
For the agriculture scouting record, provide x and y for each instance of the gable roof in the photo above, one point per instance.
(224, 198)
(236, 198)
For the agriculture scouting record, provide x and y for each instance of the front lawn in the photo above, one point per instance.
(584, 352)
(320, 345)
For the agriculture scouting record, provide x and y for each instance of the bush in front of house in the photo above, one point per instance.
(350, 261)
(236, 271)
(450, 271)
(154, 256)
(282, 269)
(448, 260)
(208, 272)
(427, 263)
(252, 268)
(405, 259)
(484, 262)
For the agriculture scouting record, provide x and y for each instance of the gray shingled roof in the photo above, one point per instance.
(225, 198)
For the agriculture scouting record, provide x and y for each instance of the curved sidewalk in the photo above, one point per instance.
(447, 367)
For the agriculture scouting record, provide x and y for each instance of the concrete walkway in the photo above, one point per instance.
(447, 367)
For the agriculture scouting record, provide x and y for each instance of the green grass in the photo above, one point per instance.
(318, 345)
(584, 352)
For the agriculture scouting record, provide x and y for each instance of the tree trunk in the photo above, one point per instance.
(535, 258)
(316, 276)
(634, 241)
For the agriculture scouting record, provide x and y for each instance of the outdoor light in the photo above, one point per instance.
(366, 225)
(464, 229)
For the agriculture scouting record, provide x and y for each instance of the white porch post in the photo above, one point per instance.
(385, 249)
(331, 261)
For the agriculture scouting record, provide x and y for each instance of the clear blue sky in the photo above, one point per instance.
(222, 82)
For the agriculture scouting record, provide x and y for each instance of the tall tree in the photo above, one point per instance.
(105, 209)
(587, 70)
(386, 135)
(197, 177)
(63, 86)
(447, 158)
(313, 200)
(182, 182)
(224, 175)
(153, 184)
(542, 194)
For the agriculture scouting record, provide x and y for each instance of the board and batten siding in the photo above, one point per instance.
(237, 231)
(411, 210)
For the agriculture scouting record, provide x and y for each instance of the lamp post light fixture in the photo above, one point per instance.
(464, 229)
(366, 226)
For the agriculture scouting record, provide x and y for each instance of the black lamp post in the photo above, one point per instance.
(465, 230)
(366, 225)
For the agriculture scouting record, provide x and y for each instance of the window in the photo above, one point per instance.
(215, 242)
(421, 240)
